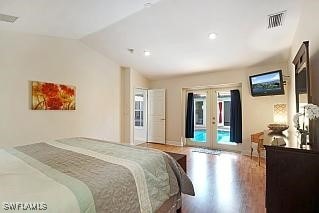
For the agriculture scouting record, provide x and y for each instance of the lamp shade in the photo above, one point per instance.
(280, 113)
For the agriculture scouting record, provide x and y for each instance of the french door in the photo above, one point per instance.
(202, 122)
(212, 119)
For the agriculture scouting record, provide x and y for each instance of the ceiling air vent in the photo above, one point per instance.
(276, 20)
(7, 18)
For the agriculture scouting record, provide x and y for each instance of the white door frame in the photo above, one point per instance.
(211, 112)
(208, 142)
(215, 144)
(137, 140)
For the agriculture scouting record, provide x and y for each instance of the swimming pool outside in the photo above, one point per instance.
(201, 136)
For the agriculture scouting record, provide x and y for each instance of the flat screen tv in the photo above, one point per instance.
(270, 83)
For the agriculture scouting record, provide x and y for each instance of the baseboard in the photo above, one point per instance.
(174, 143)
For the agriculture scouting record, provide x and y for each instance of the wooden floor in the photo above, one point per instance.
(228, 182)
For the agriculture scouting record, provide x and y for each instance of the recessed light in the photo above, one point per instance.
(147, 52)
(212, 36)
(147, 4)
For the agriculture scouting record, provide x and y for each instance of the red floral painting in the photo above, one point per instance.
(50, 96)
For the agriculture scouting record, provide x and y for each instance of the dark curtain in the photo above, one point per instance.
(235, 117)
(189, 128)
(220, 106)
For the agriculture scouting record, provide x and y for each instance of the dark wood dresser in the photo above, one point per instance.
(292, 178)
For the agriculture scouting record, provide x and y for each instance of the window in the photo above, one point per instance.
(199, 113)
(226, 113)
(139, 110)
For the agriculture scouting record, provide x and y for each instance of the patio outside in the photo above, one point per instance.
(223, 117)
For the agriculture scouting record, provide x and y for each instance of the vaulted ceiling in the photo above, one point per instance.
(67, 18)
(174, 31)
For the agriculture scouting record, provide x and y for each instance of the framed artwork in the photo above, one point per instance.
(51, 96)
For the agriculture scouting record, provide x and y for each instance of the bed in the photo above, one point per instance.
(88, 175)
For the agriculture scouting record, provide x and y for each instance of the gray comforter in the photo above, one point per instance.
(86, 175)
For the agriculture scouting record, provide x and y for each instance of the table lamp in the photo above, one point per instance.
(280, 119)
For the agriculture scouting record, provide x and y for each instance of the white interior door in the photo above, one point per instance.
(156, 116)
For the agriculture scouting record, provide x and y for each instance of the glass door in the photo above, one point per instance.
(221, 103)
(212, 119)
(201, 119)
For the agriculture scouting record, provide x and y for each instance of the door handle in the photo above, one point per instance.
(214, 122)
(163, 119)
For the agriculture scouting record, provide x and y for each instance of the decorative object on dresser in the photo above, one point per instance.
(278, 128)
(180, 158)
(310, 112)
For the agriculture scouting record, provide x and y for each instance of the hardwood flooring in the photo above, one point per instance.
(228, 182)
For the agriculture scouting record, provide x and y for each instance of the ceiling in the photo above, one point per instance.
(67, 18)
(175, 31)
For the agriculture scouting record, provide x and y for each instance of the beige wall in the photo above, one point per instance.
(131, 80)
(257, 111)
(25, 57)
(139, 81)
(307, 30)
(125, 105)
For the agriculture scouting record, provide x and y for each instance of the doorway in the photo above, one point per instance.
(149, 116)
(212, 109)
(140, 116)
